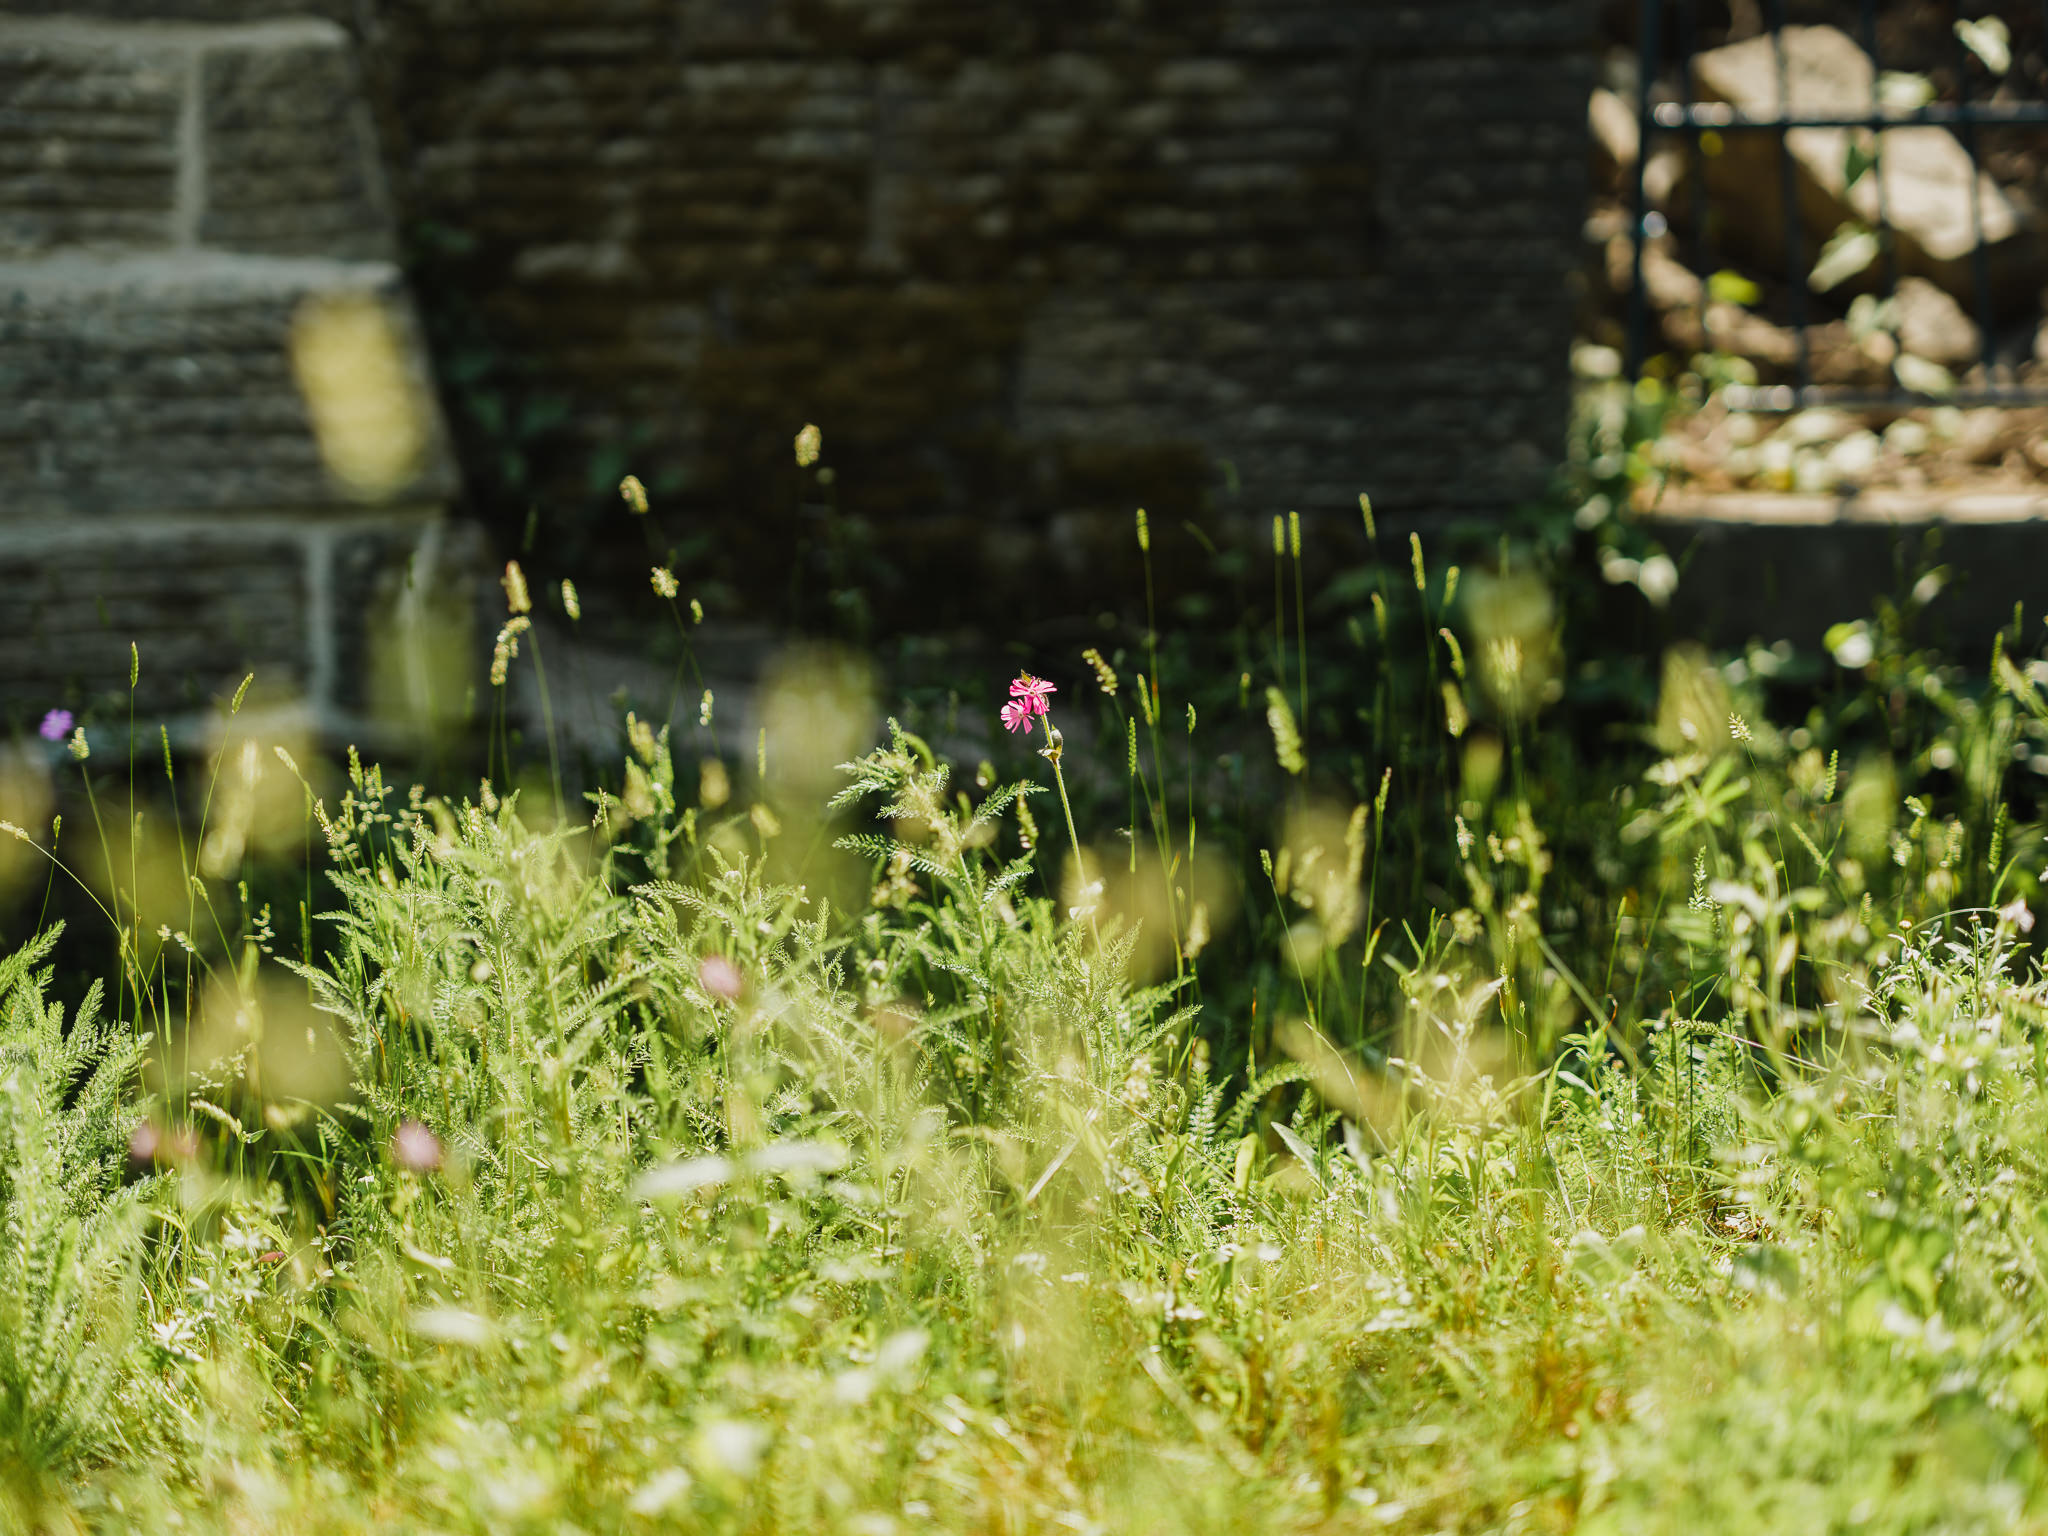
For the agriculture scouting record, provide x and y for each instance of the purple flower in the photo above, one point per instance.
(56, 725)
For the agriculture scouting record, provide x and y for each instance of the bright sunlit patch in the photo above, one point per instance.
(369, 412)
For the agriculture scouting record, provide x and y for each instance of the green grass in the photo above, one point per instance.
(1524, 1136)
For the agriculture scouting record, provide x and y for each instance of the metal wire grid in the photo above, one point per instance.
(1693, 118)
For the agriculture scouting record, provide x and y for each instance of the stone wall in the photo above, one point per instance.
(1029, 266)
(197, 283)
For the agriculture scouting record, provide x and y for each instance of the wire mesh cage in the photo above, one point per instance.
(1857, 165)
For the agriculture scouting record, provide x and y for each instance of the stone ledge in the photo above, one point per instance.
(184, 273)
(1788, 567)
(1896, 508)
(235, 12)
(56, 535)
(95, 34)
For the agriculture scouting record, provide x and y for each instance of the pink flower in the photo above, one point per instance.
(1027, 699)
(416, 1148)
(56, 725)
(153, 1145)
(1032, 691)
(721, 978)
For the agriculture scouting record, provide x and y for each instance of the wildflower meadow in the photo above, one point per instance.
(1399, 1059)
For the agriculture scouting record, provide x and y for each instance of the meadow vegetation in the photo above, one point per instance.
(1446, 1089)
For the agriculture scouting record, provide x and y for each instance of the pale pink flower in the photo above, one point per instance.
(56, 725)
(721, 978)
(154, 1145)
(1017, 715)
(2016, 913)
(415, 1148)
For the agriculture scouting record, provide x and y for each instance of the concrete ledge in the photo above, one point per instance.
(1757, 509)
(1774, 567)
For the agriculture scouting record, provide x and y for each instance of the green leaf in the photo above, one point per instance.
(1728, 287)
(1990, 39)
(1851, 250)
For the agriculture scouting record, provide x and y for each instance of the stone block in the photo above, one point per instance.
(204, 606)
(88, 143)
(169, 383)
(290, 153)
(407, 641)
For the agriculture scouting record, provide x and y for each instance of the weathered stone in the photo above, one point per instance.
(1027, 265)
(1021, 263)
(167, 383)
(88, 152)
(218, 438)
(1932, 325)
(217, 11)
(1774, 567)
(202, 605)
(290, 154)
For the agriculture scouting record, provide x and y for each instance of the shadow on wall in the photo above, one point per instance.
(1028, 267)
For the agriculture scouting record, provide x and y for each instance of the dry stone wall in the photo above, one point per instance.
(1029, 266)
(193, 209)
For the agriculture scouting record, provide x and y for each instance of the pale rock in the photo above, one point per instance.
(1906, 437)
(1932, 325)
(1928, 177)
(1813, 472)
(1617, 141)
(1819, 425)
(1856, 455)
(1614, 128)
